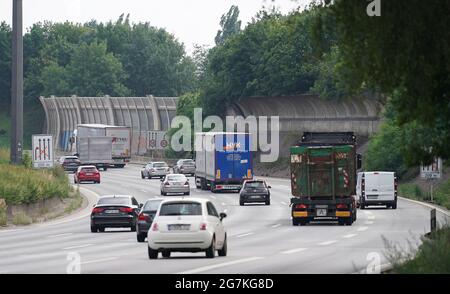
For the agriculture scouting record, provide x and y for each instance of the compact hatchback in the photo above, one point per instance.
(187, 225)
(155, 169)
(254, 191)
(175, 183)
(185, 166)
(115, 211)
(87, 173)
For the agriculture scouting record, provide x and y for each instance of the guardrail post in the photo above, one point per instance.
(433, 220)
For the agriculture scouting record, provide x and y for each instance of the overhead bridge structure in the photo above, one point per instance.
(142, 114)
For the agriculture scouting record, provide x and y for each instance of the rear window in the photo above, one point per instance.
(88, 169)
(114, 200)
(160, 164)
(181, 208)
(188, 162)
(176, 178)
(152, 205)
(255, 185)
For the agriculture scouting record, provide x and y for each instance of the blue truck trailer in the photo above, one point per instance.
(223, 160)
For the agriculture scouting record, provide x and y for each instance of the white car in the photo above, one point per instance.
(376, 188)
(187, 225)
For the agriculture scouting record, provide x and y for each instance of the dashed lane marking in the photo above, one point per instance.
(327, 243)
(293, 250)
(77, 247)
(215, 266)
(362, 229)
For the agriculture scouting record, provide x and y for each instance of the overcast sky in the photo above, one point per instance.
(191, 21)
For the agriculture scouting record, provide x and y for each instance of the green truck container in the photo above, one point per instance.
(323, 178)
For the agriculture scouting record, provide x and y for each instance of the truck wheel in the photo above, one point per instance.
(295, 222)
(196, 184)
(203, 184)
(105, 168)
(394, 205)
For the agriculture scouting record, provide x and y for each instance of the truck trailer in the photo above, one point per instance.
(121, 139)
(223, 160)
(323, 178)
(95, 151)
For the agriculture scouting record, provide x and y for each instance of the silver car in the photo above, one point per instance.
(155, 169)
(185, 166)
(175, 183)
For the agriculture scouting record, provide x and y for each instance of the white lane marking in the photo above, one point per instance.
(10, 231)
(213, 197)
(327, 243)
(283, 203)
(362, 229)
(369, 223)
(78, 246)
(224, 204)
(445, 212)
(59, 235)
(243, 235)
(371, 217)
(145, 191)
(215, 266)
(350, 236)
(276, 226)
(99, 260)
(293, 250)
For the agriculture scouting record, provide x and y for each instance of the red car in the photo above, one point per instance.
(87, 173)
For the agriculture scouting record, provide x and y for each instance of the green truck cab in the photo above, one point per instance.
(323, 178)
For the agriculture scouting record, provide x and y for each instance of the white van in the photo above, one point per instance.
(376, 188)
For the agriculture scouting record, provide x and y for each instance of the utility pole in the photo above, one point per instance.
(17, 85)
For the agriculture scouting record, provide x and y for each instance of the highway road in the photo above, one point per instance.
(261, 238)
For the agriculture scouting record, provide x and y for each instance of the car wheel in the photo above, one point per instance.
(267, 202)
(241, 203)
(152, 254)
(223, 251)
(101, 230)
(163, 193)
(98, 182)
(187, 193)
(140, 238)
(94, 229)
(166, 254)
(142, 176)
(74, 181)
(211, 251)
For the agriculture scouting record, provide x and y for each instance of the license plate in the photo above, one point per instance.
(89, 174)
(321, 212)
(178, 227)
(177, 184)
(255, 197)
(112, 211)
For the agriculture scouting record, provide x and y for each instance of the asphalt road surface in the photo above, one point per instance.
(261, 239)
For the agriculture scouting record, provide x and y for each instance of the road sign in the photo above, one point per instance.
(157, 140)
(42, 151)
(432, 171)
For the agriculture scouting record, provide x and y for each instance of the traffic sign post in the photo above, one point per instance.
(157, 140)
(42, 150)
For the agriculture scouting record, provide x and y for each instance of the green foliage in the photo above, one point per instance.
(432, 257)
(412, 191)
(230, 25)
(5, 65)
(20, 185)
(405, 53)
(21, 219)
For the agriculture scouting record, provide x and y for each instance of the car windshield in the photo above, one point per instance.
(176, 178)
(160, 164)
(152, 205)
(114, 200)
(254, 185)
(71, 159)
(181, 208)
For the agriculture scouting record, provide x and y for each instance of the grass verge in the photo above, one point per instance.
(441, 194)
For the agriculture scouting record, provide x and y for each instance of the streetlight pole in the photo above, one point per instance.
(17, 85)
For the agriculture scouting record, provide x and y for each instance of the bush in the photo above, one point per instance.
(412, 191)
(19, 184)
(22, 219)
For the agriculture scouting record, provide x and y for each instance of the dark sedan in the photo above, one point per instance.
(145, 218)
(69, 163)
(115, 211)
(254, 191)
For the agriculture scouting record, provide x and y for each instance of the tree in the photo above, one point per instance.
(405, 52)
(230, 25)
(5, 66)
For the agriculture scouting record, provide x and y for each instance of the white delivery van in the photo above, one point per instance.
(376, 188)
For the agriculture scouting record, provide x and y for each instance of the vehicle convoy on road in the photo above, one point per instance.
(155, 169)
(254, 191)
(115, 211)
(323, 178)
(187, 225)
(175, 183)
(376, 188)
(184, 166)
(145, 218)
(120, 137)
(223, 161)
(86, 173)
(95, 151)
(69, 163)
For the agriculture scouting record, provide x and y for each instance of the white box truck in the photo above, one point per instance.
(121, 139)
(377, 188)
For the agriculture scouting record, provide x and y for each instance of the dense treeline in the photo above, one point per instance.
(93, 59)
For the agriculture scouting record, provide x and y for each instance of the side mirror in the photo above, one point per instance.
(358, 161)
(93, 205)
(269, 187)
(140, 205)
(222, 215)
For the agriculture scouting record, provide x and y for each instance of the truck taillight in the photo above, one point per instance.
(301, 206)
(341, 206)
